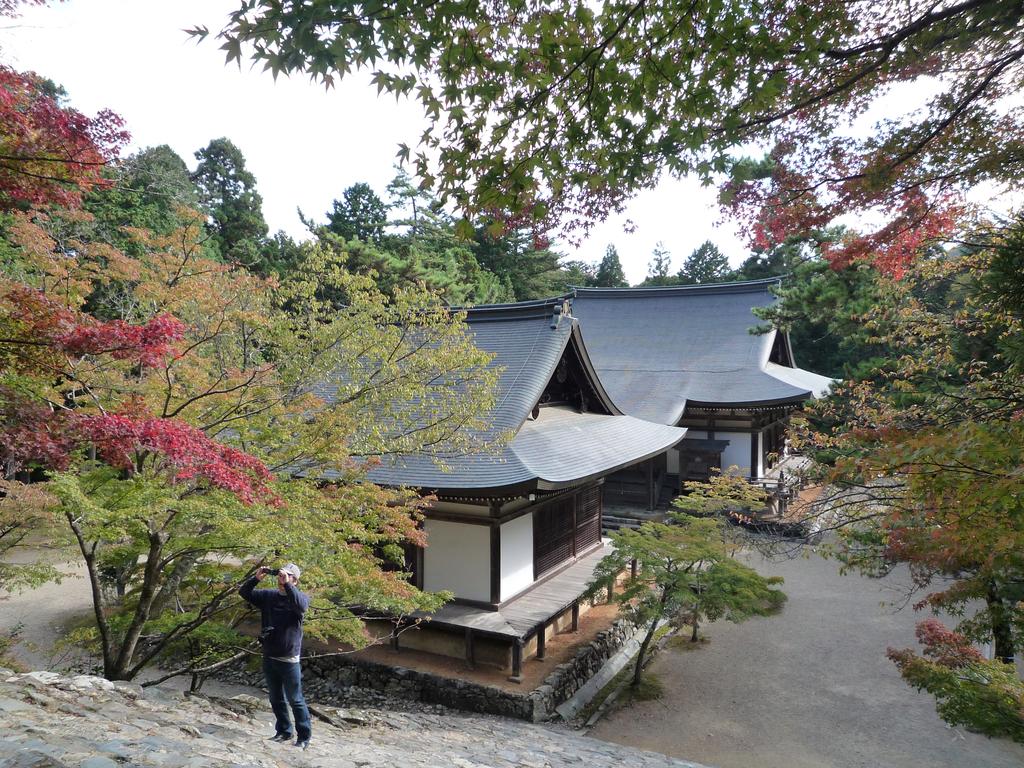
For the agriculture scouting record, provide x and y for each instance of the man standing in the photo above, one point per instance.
(281, 614)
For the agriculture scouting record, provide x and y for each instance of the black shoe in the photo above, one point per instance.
(281, 737)
(303, 744)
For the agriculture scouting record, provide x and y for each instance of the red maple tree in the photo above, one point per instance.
(44, 339)
(50, 154)
(786, 203)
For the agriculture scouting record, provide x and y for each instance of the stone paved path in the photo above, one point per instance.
(49, 721)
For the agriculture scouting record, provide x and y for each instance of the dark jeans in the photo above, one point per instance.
(284, 683)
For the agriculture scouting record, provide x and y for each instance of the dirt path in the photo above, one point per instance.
(810, 688)
(42, 616)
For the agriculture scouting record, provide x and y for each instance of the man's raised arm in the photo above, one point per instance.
(247, 590)
(298, 602)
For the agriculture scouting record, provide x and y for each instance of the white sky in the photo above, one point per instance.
(305, 145)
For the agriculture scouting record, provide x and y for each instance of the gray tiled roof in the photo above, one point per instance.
(658, 349)
(561, 447)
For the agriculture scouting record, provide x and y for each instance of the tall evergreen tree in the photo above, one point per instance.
(528, 267)
(822, 307)
(359, 215)
(579, 273)
(151, 187)
(786, 258)
(281, 254)
(227, 193)
(706, 264)
(418, 248)
(415, 205)
(609, 272)
(659, 269)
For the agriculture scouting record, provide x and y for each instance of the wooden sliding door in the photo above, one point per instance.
(565, 528)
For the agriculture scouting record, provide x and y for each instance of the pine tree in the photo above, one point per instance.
(227, 193)
(609, 272)
(359, 215)
(659, 269)
(706, 264)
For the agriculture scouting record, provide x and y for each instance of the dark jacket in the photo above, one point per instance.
(281, 614)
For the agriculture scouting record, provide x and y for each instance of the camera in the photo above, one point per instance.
(273, 571)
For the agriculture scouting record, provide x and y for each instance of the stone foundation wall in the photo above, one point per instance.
(335, 679)
(567, 678)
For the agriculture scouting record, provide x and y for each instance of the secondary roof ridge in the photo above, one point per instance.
(739, 286)
(519, 310)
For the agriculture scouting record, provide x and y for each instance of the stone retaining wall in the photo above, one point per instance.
(332, 680)
(568, 677)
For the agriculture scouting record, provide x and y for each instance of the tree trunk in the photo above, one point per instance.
(182, 568)
(642, 653)
(98, 603)
(662, 602)
(693, 635)
(121, 669)
(1002, 635)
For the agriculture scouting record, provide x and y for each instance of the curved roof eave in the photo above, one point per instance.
(794, 400)
(566, 448)
(542, 457)
(817, 384)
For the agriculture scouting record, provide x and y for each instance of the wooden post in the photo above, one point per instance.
(652, 499)
(576, 616)
(470, 649)
(394, 637)
(611, 588)
(540, 642)
(517, 662)
(632, 568)
(418, 567)
(495, 563)
(755, 455)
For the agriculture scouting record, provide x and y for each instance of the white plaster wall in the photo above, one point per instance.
(736, 452)
(516, 556)
(458, 558)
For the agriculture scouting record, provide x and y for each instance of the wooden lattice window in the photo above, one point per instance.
(553, 534)
(564, 528)
(588, 518)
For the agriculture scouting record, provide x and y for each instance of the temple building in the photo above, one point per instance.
(670, 384)
(515, 533)
(686, 356)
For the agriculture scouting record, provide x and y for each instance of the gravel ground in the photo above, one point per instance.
(809, 688)
(41, 615)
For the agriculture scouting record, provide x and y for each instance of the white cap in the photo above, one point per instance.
(292, 569)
